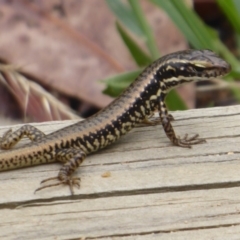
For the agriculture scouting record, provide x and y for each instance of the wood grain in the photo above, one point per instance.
(153, 190)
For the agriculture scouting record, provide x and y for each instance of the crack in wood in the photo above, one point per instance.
(33, 203)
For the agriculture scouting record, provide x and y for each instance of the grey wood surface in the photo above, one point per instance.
(141, 187)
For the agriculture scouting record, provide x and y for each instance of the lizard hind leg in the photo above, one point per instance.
(72, 159)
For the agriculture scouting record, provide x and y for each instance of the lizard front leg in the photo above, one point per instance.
(167, 126)
(154, 122)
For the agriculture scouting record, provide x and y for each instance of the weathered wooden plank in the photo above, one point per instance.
(144, 158)
(220, 233)
(153, 187)
(159, 213)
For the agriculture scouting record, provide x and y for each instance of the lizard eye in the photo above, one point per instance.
(172, 72)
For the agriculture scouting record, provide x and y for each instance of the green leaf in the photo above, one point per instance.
(140, 57)
(229, 8)
(125, 15)
(233, 74)
(188, 22)
(145, 27)
(116, 84)
(174, 101)
(133, 18)
(237, 5)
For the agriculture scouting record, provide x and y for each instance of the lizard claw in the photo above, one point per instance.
(68, 181)
(187, 142)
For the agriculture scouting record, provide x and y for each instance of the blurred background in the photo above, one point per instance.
(65, 59)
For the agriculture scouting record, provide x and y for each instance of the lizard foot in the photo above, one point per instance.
(188, 141)
(71, 182)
